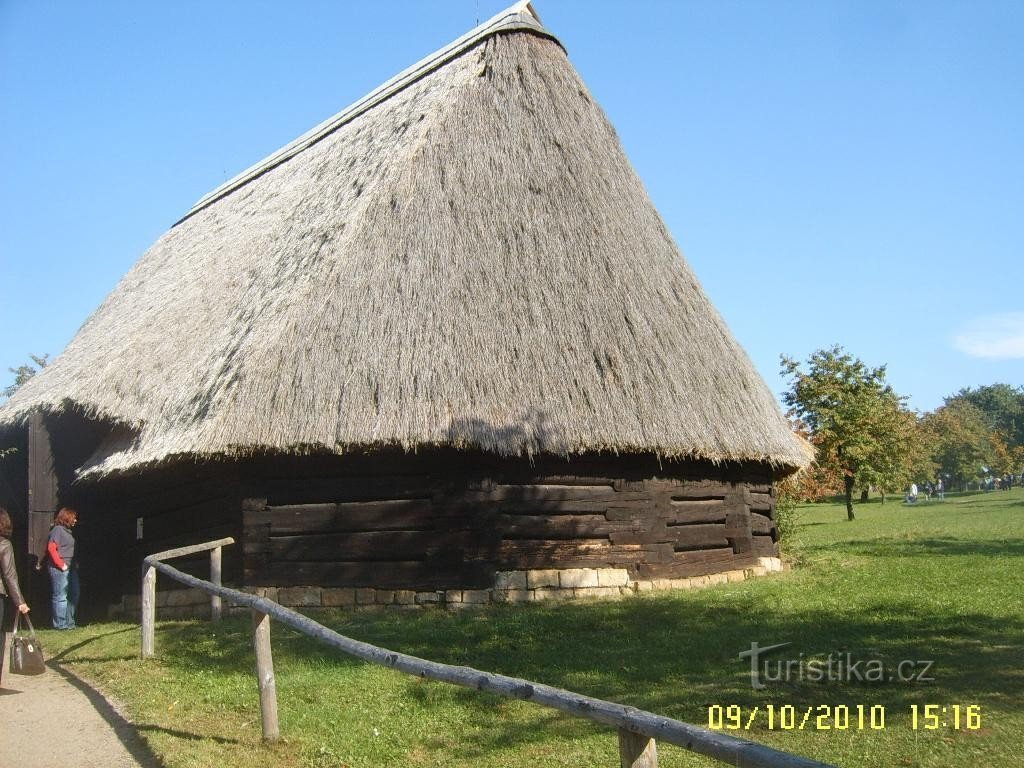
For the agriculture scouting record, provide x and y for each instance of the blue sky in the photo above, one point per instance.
(835, 172)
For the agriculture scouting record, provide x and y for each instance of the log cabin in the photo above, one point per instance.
(439, 349)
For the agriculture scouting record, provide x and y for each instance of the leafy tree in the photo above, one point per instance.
(22, 374)
(901, 457)
(960, 439)
(1001, 406)
(25, 372)
(858, 422)
(815, 481)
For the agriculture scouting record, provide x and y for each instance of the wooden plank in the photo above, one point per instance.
(681, 537)
(265, 682)
(559, 526)
(367, 545)
(525, 553)
(687, 564)
(42, 473)
(148, 611)
(549, 492)
(765, 546)
(760, 524)
(159, 525)
(701, 489)
(310, 490)
(637, 750)
(636, 510)
(393, 514)
(696, 511)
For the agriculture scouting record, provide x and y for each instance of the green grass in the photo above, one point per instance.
(940, 582)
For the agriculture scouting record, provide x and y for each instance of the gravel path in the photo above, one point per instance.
(56, 720)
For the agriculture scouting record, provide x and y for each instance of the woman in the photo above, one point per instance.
(60, 546)
(9, 589)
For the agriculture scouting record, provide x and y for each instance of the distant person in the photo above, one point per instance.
(10, 591)
(940, 489)
(912, 496)
(63, 568)
(929, 489)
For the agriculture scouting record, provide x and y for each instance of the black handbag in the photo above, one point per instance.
(26, 652)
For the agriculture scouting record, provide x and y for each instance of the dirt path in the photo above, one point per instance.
(56, 720)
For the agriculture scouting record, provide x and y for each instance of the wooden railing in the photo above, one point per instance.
(638, 731)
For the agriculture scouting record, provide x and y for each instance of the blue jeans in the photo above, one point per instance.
(64, 596)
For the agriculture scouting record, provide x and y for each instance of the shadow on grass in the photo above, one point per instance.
(72, 649)
(126, 732)
(671, 655)
(927, 547)
(677, 658)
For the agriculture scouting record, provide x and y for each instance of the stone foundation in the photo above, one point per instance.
(509, 587)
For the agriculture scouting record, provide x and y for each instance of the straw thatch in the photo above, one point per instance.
(468, 259)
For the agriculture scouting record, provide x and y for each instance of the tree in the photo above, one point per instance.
(25, 372)
(1001, 406)
(858, 422)
(22, 374)
(961, 440)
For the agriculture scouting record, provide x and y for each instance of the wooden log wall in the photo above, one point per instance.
(178, 506)
(429, 521)
(446, 527)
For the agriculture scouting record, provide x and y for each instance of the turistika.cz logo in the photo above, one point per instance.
(836, 667)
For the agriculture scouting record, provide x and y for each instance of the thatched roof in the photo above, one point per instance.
(463, 258)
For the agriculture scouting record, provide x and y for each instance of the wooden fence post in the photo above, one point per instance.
(215, 578)
(265, 675)
(148, 610)
(637, 750)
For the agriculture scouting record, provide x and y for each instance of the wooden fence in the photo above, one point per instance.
(638, 731)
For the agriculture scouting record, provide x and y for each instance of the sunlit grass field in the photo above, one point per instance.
(938, 582)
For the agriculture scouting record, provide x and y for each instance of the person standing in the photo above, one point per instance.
(10, 591)
(941, 490)
(60, 546)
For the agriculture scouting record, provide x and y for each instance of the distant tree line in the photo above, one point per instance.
(865, 437)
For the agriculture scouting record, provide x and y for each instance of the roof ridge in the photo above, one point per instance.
(520, 16)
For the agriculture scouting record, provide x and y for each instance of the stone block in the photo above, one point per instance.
(179, 597)
(734, 576)
(699, 581)
(510, 580)
(366, 596)
(717, 578)
(385, 596)
(663, 583)
(268, 593)
(538, 579)
(578, 578)
(299, 597)
(405, 597)
(644, 586)
(681, 584)
(551, 594)
(612, 577)
(453, 596)
(427, 598)
(338, 597)
(476, 596)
